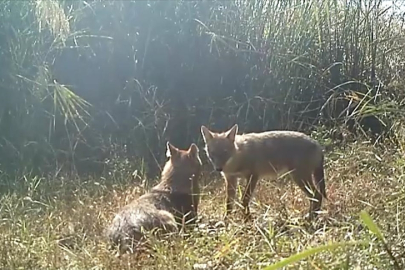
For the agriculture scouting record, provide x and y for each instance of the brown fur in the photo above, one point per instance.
(165, 205)
(254, 155)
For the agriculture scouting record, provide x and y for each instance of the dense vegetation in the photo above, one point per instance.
(91, 91)
(83, 82)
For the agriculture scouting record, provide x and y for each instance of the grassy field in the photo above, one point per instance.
(83, 82)
(58, 223)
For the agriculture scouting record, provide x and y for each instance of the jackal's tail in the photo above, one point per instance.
(319, 176)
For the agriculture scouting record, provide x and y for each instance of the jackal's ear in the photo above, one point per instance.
(171, 150)
(207, 135)
(231, 134)
(193, 150)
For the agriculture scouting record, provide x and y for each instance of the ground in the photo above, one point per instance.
(58, 223)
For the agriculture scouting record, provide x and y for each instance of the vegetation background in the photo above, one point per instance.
(92, 90)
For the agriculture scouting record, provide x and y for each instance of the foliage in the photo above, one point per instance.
(82, 82)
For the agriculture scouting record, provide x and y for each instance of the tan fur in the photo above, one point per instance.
(173, 200)
(255, 155)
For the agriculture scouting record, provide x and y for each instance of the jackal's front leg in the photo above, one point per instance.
(231, 185)
(247, 196)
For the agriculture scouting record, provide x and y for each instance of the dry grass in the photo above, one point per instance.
(58, 223)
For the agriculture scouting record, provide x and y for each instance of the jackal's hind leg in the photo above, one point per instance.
(304, 180)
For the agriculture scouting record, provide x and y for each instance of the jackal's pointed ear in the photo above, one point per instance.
(171, 150)
(207, 135)
(231, 134)
(193, 150)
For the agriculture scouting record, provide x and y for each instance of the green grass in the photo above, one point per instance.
(58, 223)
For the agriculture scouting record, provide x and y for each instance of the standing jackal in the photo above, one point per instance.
(165, 205)
(254, 155)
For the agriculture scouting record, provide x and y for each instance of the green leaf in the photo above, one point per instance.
(367, 220)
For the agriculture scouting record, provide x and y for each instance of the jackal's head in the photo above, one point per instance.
(220, 147)
(183, 169)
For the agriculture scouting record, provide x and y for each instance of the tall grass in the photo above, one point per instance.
(85, 81)
(34, 104)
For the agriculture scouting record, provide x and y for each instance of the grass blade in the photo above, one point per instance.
(308, 252)
(367, 220)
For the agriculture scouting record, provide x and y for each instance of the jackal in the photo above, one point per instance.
(173, 201)
(254, 155)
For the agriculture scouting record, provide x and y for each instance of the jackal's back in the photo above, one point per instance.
(270, 151)
(150, 211)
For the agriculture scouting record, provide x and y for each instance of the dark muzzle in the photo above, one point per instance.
(218, 169)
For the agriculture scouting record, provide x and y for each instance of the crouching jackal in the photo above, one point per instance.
(254, 155)
(173, 201)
